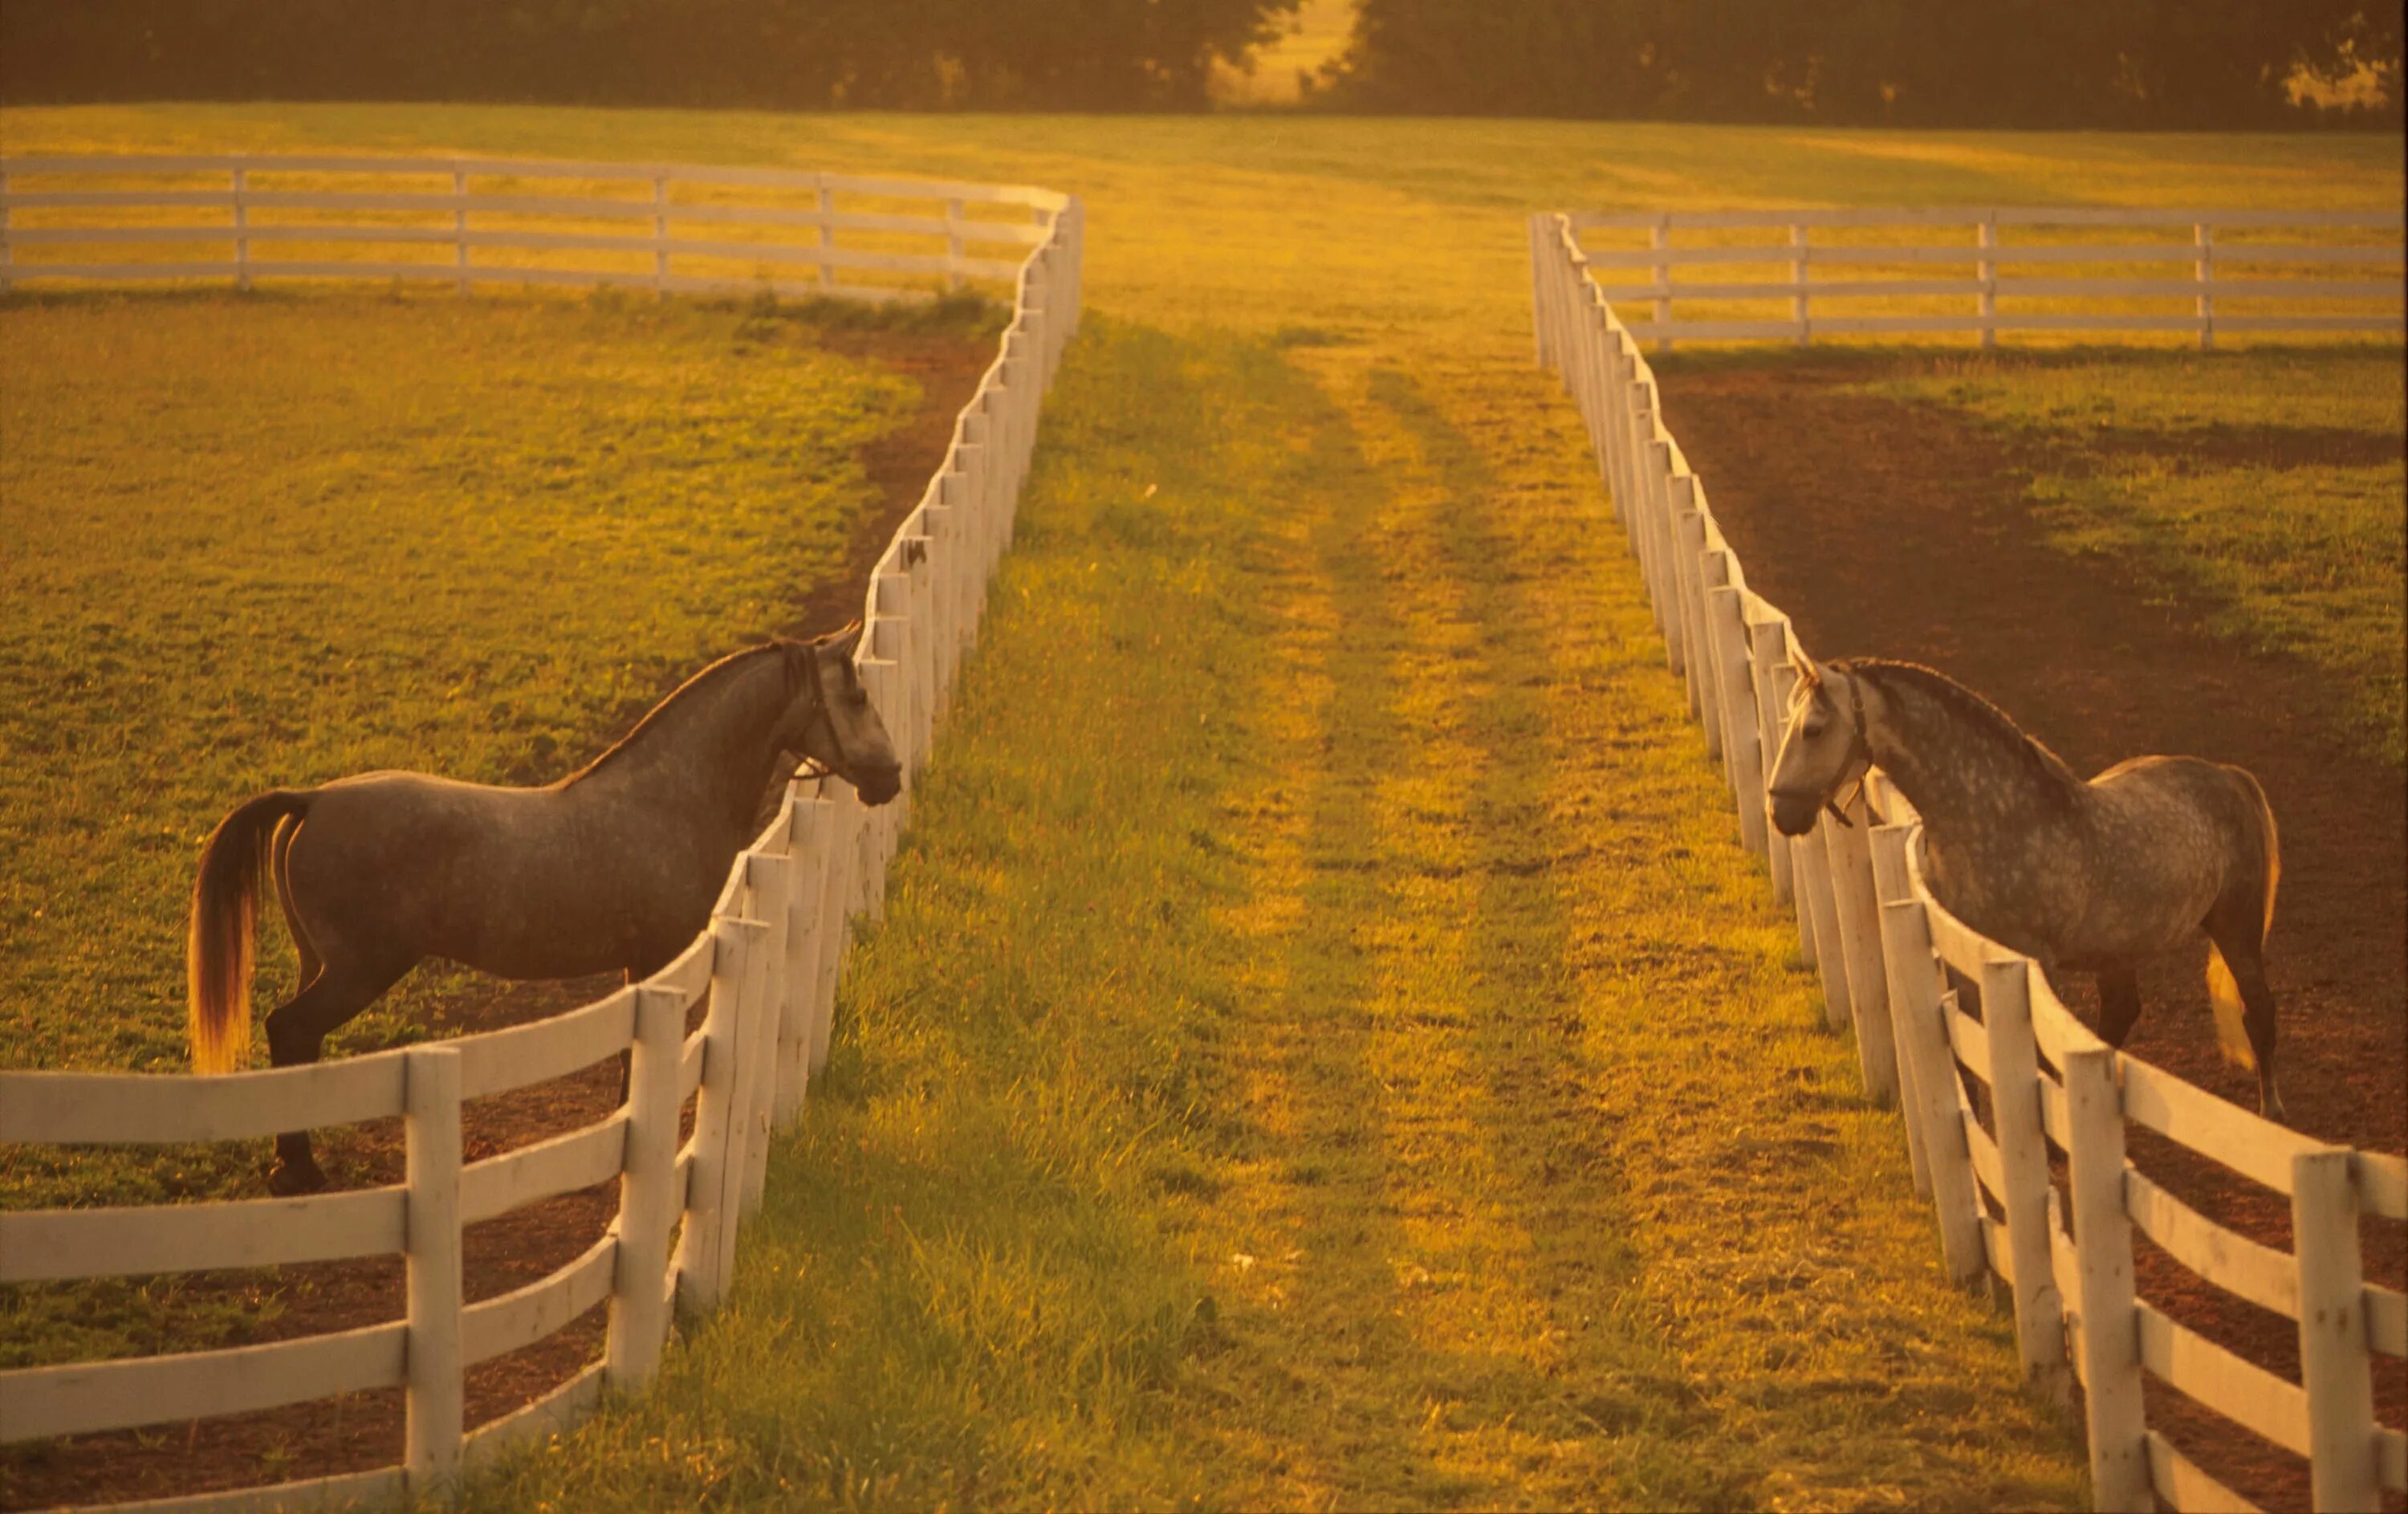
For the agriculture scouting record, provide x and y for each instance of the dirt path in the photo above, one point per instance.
(1867, 518)
(363, 1430)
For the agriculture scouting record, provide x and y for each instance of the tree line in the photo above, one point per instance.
(2166, 64)
(775, 54)
(2175, 64)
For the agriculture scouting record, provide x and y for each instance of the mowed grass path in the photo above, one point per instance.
(1325, 1044)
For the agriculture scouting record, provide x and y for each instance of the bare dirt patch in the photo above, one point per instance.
(1903, 529)
(364, 1430)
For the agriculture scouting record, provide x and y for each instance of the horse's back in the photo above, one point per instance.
(408, 864)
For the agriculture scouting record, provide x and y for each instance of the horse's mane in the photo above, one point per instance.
(679, 696)
(1970, 710)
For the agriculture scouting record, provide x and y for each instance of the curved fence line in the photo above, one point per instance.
(766, 966)
(1907, 976)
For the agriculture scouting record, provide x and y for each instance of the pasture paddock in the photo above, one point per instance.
(1477, 1112)
(1983, 1156)
(709, 389)
(1869, 501)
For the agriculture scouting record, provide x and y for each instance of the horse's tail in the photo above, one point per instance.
(225, 913)
(2231, 1036)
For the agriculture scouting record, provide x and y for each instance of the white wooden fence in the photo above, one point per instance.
(471, 220)
(1941, 271)
(769, 965)
(1881, 943)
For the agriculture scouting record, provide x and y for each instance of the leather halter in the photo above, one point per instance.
(818, 714)
(1858, 746)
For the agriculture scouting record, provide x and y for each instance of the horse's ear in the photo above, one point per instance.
(841, 641)
(1809, 676)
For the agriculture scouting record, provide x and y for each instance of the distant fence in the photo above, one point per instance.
(1886, 950)
(469, 221)
(1921, 272)
(767, 963)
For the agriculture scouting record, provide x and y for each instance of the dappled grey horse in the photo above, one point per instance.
(2088, 876)
(613, 868)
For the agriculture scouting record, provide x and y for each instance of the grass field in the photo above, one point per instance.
(2301, 553)
(1326, 1045)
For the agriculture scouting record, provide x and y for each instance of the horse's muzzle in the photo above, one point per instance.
(1793, 814)
(875, 785)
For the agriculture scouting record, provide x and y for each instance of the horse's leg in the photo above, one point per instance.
(2244, 958)
(281, 867)
(296, 1036)
(2120, 1002)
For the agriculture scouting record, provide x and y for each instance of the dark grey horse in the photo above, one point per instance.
(2090, 876)
(613, 868)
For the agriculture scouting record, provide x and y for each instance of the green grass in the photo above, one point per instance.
(1325, 1044)
(2265, 488)
(273, 540)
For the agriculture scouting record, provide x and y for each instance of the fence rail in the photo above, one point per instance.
(767, 968)
(347, 221)
(1887, 954)
(2281, 285)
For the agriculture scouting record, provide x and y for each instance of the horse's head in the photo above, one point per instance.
(1823, 750)
(830, 721)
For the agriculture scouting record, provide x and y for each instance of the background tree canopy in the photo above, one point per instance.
(2169, 64)
(907, 54)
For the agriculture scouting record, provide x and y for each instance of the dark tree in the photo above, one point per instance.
(918, 54)
(2166, 64)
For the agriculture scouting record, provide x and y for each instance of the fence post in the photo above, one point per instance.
(835, 888)
(717, 1114)
(661, 233)
(1768, 649)
(1830, 946)
(1856, 900)
(1688, 567)
(1653, 461)
(2202, 270)
(1887, 845)
(806, 845)
(1922, 1037)
(241, 225)
(770, 878)
(1539, 332)
(1801, 894)
(1632, 424)
(1798, 266)
(1987, 271)
(952, 244)
(827, 235)
(648, 1197)
(434, 1394)
(2335, 1366)
(1660, 237)
(1742, 738)
(2023, 1156)
(2110, 1325)
(460, 225)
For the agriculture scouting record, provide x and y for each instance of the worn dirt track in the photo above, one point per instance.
(1901, 529)
(361, 1431)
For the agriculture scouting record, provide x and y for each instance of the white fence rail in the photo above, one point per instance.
(469, 221)
(769, 965)
(1886, 951)
(1883, 272)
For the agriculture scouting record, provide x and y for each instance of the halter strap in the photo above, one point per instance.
(1858, 746)
(818, 714)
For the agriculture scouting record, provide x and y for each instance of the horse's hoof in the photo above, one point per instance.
(289, 1181)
